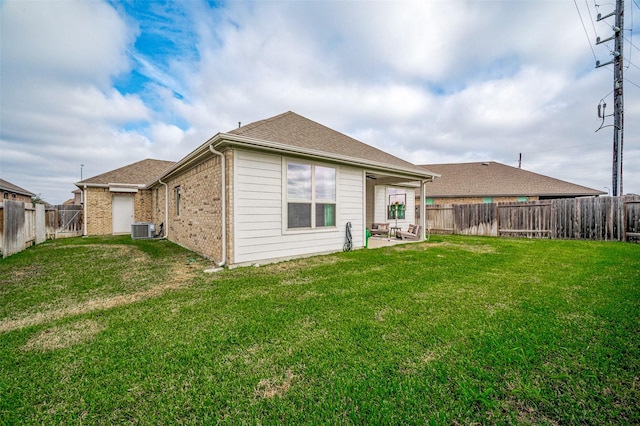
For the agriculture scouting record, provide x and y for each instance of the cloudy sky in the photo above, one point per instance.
(104, 84)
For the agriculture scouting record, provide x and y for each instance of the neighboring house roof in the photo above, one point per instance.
(290, 133)
(138, 173)
(6, 186)
(496, 179)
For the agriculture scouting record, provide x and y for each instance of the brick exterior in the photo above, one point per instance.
(198, 227)
(16, 197)
(99, 207)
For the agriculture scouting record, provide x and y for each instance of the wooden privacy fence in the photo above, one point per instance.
(588, 218)
(64, 221)
(23, 225)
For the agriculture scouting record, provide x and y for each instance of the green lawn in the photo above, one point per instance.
(457, 330)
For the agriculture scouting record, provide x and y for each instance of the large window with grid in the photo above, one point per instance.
(397, 203)
(311, 196)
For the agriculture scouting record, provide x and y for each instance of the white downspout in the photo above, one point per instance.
(166, 208)
(223, 200)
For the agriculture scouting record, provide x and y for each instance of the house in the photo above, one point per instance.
(14, 192)
(492, 182)
(280, 188)
(114, 200)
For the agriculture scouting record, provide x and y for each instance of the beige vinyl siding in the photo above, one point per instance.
(370, 202)
(351, 192)
(260, 232)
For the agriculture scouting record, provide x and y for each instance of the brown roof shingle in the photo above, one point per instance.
(297, 131)
(9, 187)
(496, 179)
(138, 173)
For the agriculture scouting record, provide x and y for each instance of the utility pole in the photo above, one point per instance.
(618, 101)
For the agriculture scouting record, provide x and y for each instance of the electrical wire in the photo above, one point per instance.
(631, 82)
(631, 43)
(625, 78)
(593, 24)
(585, 31)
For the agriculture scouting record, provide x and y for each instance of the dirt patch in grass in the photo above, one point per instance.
(108, 251)
(302, 264)
(272, 387)
(180, 277)
(64, 336)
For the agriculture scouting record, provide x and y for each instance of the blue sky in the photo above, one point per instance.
(105, 84)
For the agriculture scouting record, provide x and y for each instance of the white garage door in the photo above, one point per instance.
(122, 214)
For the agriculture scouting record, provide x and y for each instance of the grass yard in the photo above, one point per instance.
(454, 331)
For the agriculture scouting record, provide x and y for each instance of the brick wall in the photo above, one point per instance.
(143, 206)
(100, 209)
(198, 226)
(16, 197)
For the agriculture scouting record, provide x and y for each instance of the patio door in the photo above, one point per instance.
(122, 214)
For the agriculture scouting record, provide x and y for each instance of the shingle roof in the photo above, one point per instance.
(138, 173)
(496, 179)
(296, 131)
(6, 186)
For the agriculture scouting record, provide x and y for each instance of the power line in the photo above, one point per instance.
(618, 79)
(591, 19)
(631, 82)
(585, 31)
(631, 43)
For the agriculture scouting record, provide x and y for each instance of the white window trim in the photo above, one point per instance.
(285, 198)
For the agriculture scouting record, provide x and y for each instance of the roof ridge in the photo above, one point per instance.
(131, 166)
(255, 124)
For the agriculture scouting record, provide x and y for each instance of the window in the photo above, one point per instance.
(429, 202)
(178, 200)
(397, 203)
(311, 196)
(523, 199)
(487, 200)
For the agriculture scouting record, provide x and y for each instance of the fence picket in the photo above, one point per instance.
(591, 218)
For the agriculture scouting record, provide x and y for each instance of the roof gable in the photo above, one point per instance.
(7, 186)
(297, 132)
(496, 179)
(138, 173)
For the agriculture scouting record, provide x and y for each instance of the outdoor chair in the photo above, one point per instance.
(413, 233)
(380, 229)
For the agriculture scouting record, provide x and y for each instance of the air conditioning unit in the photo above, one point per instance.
(142, 230)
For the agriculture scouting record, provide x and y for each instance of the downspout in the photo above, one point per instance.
(166, 208)
(84, 207)
(223, 200)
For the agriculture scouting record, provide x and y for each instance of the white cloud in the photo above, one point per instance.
(67, 40)
(434, 81)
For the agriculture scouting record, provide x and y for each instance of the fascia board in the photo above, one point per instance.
(225, 139)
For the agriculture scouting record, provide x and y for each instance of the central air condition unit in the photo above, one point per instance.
(142, 230)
